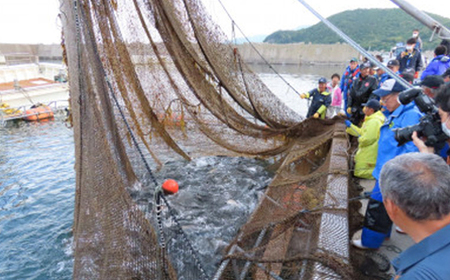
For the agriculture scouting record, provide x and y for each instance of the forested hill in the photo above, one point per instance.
(377, 29)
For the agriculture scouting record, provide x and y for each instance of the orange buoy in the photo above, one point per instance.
(39, 113)
(170, 186)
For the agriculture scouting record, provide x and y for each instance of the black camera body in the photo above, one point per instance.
(429, 125)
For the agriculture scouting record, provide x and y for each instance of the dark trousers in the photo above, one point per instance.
(377, 224)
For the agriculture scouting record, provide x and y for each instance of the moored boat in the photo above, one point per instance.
(37, 113)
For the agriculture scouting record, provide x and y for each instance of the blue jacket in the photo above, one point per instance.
(428, 259)
(384, 77)
(347, 79)
(320, 102)
(403, 116)
(437, 66)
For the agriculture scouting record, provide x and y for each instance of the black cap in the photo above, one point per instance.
(364, 65)
(408, 75)
(432, 81)
(373, 103)
(393, 62)
(446, 73)
(322, 80)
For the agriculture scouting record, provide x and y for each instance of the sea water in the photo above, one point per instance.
(37, 190)
(37, 184)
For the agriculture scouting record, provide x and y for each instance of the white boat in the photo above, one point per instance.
(25, 85)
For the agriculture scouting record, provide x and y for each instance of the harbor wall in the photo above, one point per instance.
(287, 54)
(294, 54)
(297, 54)
(29, 53)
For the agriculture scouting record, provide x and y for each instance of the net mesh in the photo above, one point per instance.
(152, 79)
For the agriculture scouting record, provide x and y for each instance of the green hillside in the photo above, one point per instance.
(377, 29)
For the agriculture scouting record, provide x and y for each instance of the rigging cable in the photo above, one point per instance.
(356, 46)
(234, 24)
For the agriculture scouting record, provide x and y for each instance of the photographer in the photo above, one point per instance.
(443, 103)
(377, 225)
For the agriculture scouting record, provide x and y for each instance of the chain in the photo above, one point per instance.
(185, 238)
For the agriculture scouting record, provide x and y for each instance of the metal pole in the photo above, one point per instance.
(247, 264)
(263, 267)
(224, 264)
(423, 18)
(357, 46)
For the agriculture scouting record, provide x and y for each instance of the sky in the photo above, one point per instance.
(36, 21)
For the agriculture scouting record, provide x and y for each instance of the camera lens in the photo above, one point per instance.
(404, 135)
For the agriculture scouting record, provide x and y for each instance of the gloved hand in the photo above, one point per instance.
(416, 75)
(316, 115)
(348, 123)
(349, 110)
(302, 95)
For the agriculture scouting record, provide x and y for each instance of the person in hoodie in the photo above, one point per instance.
(377, 225)
(368, 136)
(360, 93)
(411, 58)
(439, 64)
(350, 74)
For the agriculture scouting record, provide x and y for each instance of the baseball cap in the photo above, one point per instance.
(408, 75)
(353, 59)
(432, 81)
(393, 62)
(322, 80)
(373, 103)
(388, 87)
(364, 65)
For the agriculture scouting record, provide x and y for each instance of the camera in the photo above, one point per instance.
(429, 125)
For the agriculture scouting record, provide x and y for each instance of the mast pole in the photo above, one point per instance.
(423, 18)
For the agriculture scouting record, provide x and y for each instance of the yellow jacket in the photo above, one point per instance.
(368, 136)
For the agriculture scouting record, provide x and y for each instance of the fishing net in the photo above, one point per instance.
(157, 79)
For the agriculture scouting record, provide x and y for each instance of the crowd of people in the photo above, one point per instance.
(412, 180)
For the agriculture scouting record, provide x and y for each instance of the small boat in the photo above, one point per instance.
(38, 112)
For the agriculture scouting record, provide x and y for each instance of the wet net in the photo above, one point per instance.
(153, 80)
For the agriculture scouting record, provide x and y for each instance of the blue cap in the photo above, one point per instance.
(373, 103)
(322, 80)
(388, 87)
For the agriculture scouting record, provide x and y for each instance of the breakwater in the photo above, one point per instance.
(297, 54)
